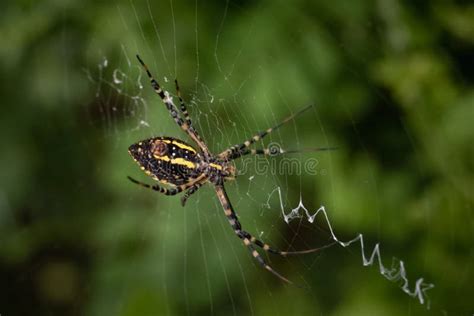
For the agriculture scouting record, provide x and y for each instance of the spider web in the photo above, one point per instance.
(188, 260)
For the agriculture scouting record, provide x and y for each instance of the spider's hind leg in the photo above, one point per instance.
(156, 187)
(172, 191)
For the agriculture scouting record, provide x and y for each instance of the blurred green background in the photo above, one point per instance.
(392, 85)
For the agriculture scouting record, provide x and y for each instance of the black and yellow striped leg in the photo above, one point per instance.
(246, 237)
(158, 188)
(275, 151)
(259, 152)
(168, 101)
(182, 105)
(201, 179)
(242, 147)
(184, 110)
(190, 192)
(269, 249)
(231, 216)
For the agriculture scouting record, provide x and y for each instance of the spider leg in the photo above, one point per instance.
(234, 222)
(267, 248)
(241, 147)
(172, 191)
(168, 101)
(158, 188)
(184, 110)
(182, 105)
(275, 151)
(260, 243)
(190, 192)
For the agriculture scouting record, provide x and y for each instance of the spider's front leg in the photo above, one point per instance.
(182, 105)
(240, 149)
(250, 240)
(275, 151)
(186, 126)
(245, 236)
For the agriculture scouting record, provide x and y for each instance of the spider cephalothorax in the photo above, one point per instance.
(177, 164)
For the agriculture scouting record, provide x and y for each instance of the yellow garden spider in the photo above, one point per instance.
(175, 163)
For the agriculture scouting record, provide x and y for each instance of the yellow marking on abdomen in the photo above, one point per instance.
(177, 161)
(183, 146)
(213, 165)
(179, 144)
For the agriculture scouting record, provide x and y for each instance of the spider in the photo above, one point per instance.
(177, 164)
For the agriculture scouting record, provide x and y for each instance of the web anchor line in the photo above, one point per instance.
(396, 272)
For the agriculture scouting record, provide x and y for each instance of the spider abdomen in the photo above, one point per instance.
(167, 159)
